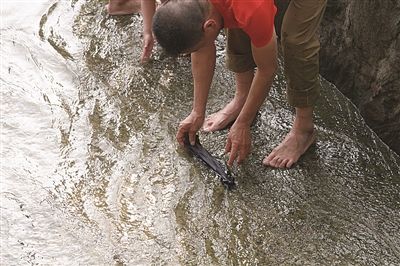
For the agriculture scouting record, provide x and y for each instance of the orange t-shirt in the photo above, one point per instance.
(255, 17)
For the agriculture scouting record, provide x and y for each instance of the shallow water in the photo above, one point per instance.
(91, 173)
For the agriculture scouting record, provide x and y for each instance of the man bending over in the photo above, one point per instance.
(192, 26)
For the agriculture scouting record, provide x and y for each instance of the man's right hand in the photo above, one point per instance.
(190, 125)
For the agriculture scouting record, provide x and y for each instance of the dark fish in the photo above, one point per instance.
(201, 153)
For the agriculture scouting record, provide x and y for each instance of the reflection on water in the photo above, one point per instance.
(92, 175)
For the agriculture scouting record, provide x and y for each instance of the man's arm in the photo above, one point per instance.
(267, 62)
(203, 64)
(148, 9)
(239, 138)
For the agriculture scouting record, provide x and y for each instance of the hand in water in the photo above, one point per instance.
(190, 125)
(238, 143)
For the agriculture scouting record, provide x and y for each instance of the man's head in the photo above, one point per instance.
(179, 25)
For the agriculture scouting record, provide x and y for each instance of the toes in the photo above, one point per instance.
(283, 163)
(212, 126)
(275, 162)
(267, 160)
(206, 128)
(290, 163)
(207, 125)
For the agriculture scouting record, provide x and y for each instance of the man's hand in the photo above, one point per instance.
(238, 143)
(190, 125)
(148, 43)
(239, 137)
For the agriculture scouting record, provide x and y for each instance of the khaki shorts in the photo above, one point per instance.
(300, 45)
(239, 57)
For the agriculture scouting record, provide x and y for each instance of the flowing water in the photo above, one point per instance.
(91, 173)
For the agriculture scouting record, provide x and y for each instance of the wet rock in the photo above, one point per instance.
(360, 54)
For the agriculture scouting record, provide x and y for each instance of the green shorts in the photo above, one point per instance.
(300, 45)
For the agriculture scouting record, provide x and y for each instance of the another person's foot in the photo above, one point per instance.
(223, 118)
(123, 7)
(292, 147)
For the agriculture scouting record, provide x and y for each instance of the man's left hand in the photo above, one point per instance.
(238, 143)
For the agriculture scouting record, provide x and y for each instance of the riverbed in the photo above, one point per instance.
(91, 173)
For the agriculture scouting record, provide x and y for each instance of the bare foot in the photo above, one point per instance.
(123, 7)
(223, 118)
(289, 151)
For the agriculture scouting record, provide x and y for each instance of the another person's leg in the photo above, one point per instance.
(148, 9)
(123, 7)
(240, 61)
(301, 55)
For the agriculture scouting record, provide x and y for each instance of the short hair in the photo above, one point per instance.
(178, 24)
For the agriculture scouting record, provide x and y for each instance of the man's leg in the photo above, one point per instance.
(240, 61)
(296, 142)
(300, 48)
(123, 7)
(230, 112)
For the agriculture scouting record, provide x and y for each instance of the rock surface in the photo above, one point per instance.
(360, 54)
